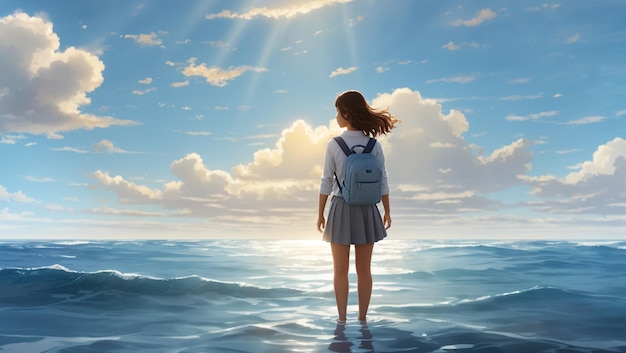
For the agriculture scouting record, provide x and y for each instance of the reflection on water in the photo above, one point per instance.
(344, 344)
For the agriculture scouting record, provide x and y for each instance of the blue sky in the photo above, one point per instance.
(208, 119)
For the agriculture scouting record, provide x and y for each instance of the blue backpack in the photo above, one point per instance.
(363, 179)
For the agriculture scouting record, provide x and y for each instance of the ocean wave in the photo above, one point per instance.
(41, 285)
(524, 298)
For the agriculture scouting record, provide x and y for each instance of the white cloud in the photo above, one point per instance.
(586, 120)
(11, 139)
(596, 187)
(108, 147)
(57, 208)
(69, 149)
(382, 69)
(480, 17)
(179, 84)
(568, 151)
(217, 76)
(453, 47)
(44, 87)
(518, 97)
(295, 8)
(454, 79)
(128, 212)
(127, 192)
(543, 7)
(341, 71)
(145, 91)
(535, 116)
(39, 179)
(146, 81)
(18, 196)
(425, 128)
(150, 39)
(620, 113)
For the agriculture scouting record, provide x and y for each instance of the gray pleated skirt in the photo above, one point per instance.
(353, 224)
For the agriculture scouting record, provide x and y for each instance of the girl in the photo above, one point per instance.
(360, 225)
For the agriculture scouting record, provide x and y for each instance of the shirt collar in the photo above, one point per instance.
(353, 133)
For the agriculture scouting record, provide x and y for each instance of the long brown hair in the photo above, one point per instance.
(354, 108)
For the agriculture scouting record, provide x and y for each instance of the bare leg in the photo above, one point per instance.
(364, 277)
(341, 262)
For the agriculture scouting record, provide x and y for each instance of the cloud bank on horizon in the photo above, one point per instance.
(224, 166)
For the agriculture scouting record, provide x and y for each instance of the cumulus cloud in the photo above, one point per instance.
(286, 175)
(431, 165)
(435, 173)
(480, 17)
(18, 196)
(44, 87)
(128, 192)
(429, 153)
(341, 71)
(291, 9)
(597, 185)
(217, 76)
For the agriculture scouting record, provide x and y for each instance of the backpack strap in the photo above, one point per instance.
(343, 145)
(370, 145)
(348, 151)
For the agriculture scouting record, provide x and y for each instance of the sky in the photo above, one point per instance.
(166, 119)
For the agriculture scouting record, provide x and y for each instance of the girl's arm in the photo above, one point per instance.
(387, 216)
(321, 221)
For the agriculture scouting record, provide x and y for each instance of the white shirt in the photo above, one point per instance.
(335, 160)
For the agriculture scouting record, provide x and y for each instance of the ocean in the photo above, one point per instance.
(276, 296)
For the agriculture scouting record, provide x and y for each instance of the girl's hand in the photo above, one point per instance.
(387, 220)
(321, 224)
